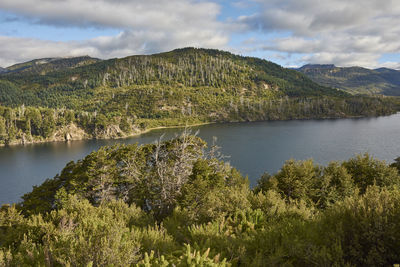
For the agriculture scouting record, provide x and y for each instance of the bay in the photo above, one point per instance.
(253, 148)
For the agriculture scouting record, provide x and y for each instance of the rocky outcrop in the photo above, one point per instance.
(69, 133)
(111, 132)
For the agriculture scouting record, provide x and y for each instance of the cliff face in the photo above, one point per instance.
(113, 131)
(72, 132)
(67, 133)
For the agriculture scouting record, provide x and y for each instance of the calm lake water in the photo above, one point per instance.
(254, 148)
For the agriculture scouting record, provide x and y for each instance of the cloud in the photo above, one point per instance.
(343, 59)
(14, 49)
(146, 27)
(341, 32)
(391, 65)
(336, 31)
(132, 14)
(310, 17)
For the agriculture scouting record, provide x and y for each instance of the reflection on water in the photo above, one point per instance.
(253, 148)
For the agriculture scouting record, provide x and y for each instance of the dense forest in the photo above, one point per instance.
(177, 203)
(79, 98)
(31, 124)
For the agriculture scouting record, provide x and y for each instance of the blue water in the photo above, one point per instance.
(253, 148)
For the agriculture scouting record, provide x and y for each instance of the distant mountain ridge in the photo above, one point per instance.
(355, 80)
(45, 65)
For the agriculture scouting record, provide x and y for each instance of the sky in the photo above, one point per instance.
(289, 32)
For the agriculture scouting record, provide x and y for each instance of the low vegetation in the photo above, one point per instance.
(177, 203)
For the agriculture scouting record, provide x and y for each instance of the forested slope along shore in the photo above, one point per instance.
(83, 98)
(177, 203)
(24, 125)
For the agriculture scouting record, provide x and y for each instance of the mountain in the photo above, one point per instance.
(57, 99)
(65, 83)
(355, 80)
(45, 65)
(2, 70)
(190, 67)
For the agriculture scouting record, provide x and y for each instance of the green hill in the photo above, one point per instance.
(355, 80)
(189, 68)
(118, 97)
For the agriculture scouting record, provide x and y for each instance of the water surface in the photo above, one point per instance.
(253, 148)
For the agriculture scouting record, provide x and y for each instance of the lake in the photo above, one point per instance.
(253, 148)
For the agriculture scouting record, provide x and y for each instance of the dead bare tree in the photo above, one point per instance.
(171, 165)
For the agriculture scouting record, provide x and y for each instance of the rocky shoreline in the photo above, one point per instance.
(74, 133)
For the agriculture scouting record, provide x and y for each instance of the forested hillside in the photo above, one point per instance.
(176, 203)
(356, 80)
(120, 97)
(180, 69)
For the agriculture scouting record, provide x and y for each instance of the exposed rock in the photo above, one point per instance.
(111, 132)
(68, 137)
(69, 133)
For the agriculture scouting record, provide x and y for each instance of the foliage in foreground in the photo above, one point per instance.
(174, 203)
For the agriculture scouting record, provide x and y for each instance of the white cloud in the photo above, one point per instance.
(391, 65)
(367, 60)
(342, 32)
(14, 50)
(130, 14)
(146, 27)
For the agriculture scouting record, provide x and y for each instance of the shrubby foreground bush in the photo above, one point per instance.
(175, 203)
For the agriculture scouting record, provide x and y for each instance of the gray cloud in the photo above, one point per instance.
(343, 59)
(132, 14)
(146, 27)
(342, 32)
(14, 50)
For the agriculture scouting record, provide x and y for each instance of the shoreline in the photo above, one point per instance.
(111, 138)
(183, 126)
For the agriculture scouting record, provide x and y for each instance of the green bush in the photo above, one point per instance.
(173, 204)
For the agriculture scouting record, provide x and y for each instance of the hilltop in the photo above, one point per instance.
(355, 80)
(188, 67)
